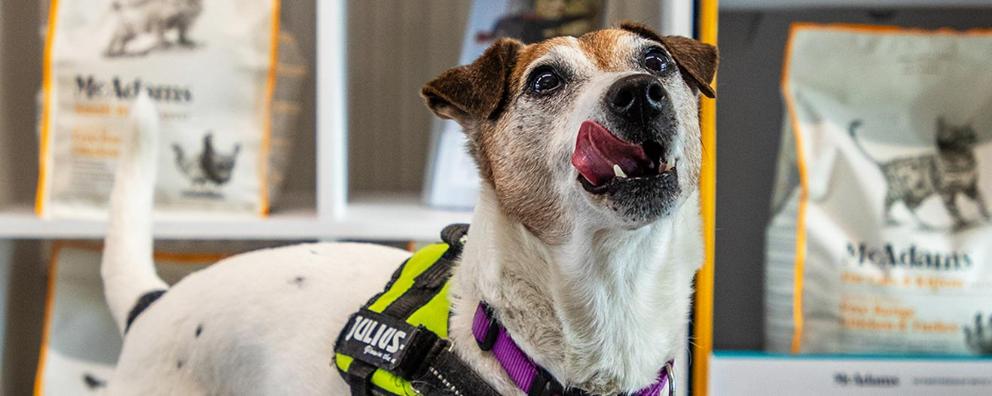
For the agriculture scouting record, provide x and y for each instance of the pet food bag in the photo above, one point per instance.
(880, 239)
(225, 82)
(81, 342)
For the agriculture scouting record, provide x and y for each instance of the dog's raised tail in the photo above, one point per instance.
(130, 282)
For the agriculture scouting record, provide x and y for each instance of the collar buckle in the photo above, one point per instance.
(670, 377)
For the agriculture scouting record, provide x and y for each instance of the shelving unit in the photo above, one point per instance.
(315, 209)
(366, 217)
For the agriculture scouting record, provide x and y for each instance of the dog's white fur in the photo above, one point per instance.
(604, 309)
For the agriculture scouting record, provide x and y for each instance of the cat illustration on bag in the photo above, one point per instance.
(210, 166)
(155, 18)
(951, 171)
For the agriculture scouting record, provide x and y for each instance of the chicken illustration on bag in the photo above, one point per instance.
(209, 166)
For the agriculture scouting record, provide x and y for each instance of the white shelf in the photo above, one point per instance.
(393, 216)
(786, 4)
(20, 222)
(759, 373)
(372, 217)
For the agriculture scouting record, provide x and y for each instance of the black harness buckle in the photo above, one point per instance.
(492, 330)
(545, 385)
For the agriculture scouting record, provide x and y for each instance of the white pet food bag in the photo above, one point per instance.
(212, 69)
(81, 342)
(880, 239)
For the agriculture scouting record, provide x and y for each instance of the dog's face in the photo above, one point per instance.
(601, 130)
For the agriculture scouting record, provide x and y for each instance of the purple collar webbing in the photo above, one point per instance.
(492, 336)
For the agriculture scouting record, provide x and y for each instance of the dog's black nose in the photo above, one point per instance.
(638, 98)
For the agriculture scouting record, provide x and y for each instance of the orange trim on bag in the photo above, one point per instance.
(46, 110)
(53, 262)
(189, 258)
(170, 257)
(799, 265)
(270, 89)
(703, 314)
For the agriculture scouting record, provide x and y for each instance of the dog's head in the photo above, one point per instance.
(602, 129)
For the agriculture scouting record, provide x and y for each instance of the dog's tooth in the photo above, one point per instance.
(618, 172)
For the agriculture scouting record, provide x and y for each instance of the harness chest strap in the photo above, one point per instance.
(397, 343)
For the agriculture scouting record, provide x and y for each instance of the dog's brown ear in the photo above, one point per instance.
(697, 59)
(474, 92)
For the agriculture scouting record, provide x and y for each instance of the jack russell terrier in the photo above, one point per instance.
(583, 244)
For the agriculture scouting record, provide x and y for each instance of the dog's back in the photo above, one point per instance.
(246, 324)
(240, 327)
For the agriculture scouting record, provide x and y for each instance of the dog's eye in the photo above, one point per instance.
(544, 80)
(656, 61)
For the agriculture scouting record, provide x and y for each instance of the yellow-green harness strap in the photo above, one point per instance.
(401, 331)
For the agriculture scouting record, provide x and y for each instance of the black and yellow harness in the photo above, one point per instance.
(397, 343)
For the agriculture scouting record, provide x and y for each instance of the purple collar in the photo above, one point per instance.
(528, 376)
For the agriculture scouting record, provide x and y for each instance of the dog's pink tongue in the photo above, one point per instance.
(597, 150)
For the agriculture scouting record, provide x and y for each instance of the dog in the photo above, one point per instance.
(154, 17)
(584, 241)
(951, 171)
(210, 166)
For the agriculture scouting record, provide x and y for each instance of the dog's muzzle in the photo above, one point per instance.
(603, 159)
(638, 100)
(632, 141)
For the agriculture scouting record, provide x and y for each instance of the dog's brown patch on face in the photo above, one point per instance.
(698, 61)
(605, 49)
(474, 92)
(531, 53)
